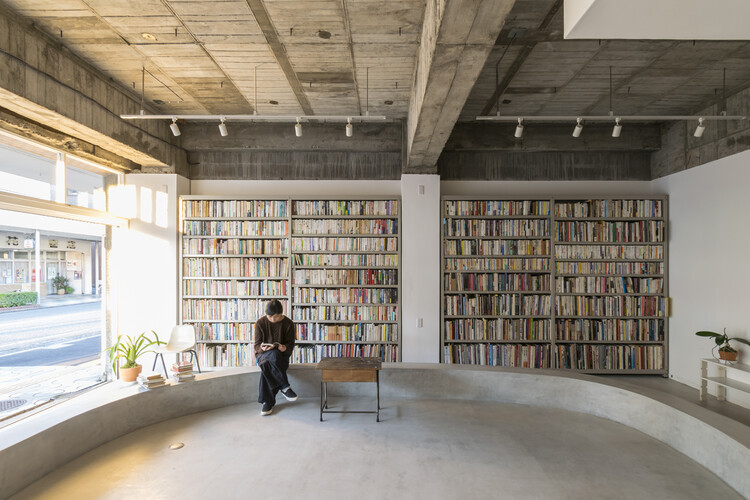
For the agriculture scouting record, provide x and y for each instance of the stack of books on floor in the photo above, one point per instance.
(183, 371)
(151, 380)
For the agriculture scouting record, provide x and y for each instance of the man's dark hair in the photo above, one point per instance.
(274, 307)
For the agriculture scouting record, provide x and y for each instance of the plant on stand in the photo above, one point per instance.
(726, 351)
(130, 349)
(60, 283)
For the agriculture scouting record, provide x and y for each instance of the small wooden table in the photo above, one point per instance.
(348, 370)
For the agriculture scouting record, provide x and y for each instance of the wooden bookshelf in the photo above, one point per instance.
(602, 264)
(235, 257)
(337, 275)
(346, 278)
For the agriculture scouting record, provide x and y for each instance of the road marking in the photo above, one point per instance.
(38, 348)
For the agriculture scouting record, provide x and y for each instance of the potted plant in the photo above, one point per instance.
(60, 283)
(726, 351)
(130, 349)
(69, 289)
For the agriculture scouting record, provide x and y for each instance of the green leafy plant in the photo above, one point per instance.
(131, 348)
(17, 299)
(722, 340)
(69, 289)
(60, 282)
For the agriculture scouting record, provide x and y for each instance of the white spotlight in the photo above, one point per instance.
(618, 128)
(174, 127)
(579, 128)
(519, 128)
(349, 127)
(700, 128)
(298, 129)
(223, 128)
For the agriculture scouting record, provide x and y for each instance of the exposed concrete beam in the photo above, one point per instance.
(45, 83)
(17, 125)
(306, 165)
(543, 137)
(681, 150)
(279, 52)
(457, 36)
(505, 165)
(280, 136)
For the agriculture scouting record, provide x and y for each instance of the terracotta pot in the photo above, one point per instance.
(130, 374)
(61, 291)
(728, 356)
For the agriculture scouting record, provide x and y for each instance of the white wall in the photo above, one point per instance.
(145, 258)
(709, 261)
(420, 268)
(295, 188)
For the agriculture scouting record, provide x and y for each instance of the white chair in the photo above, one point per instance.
(182, 339)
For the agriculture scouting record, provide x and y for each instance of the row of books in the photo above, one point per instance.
(322, 259)
(235, 228)
(492, 264)
(345, 226)
(497, 329)
(224, 331)
(226, 309)
(235, 208)
(493, 282)
(355, 332)
(346, 207)
(345, 276)
(635, 252)
(610, 306)
(225, 355)
(345, 313)
(617, 330)
(496, 247)
(646, 231)
(496, 207)
(512, 355)
(271, 288)
(314, 353)
(346, 295)
(609, 208)
(605, 284)
(497, 305)
(245, 267)
(234, 246)
(609, 267)
(345, 244)
(611, 357)
(497, 227)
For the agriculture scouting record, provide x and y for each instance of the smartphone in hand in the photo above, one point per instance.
(265, 345)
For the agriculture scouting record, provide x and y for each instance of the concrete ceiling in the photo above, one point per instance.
(311, 57)
(540, 73)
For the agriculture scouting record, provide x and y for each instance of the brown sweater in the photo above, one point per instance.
(270, 333)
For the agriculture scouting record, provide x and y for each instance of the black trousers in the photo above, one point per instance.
(273, 365)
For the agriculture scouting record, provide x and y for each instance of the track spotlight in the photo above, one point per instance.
(175, 129)
(579, 128)
(349, 127)
(618, 128)
(700, 128)
(223, 128)
(519, 128)
(298, 129)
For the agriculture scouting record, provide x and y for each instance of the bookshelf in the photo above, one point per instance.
(575, 284)
(346, 278)
(234, 257)
(496, 282)
(333, 264)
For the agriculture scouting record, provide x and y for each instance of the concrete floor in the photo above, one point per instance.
(421, 449)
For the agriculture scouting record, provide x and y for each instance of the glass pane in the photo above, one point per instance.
(26, 169)
(86, 184)
(22, 272)
(6, 272)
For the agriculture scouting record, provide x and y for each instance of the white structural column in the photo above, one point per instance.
(420, 268)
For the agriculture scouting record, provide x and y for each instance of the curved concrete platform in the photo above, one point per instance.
(45, 442)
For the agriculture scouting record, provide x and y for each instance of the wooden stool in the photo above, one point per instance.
(348, 370)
